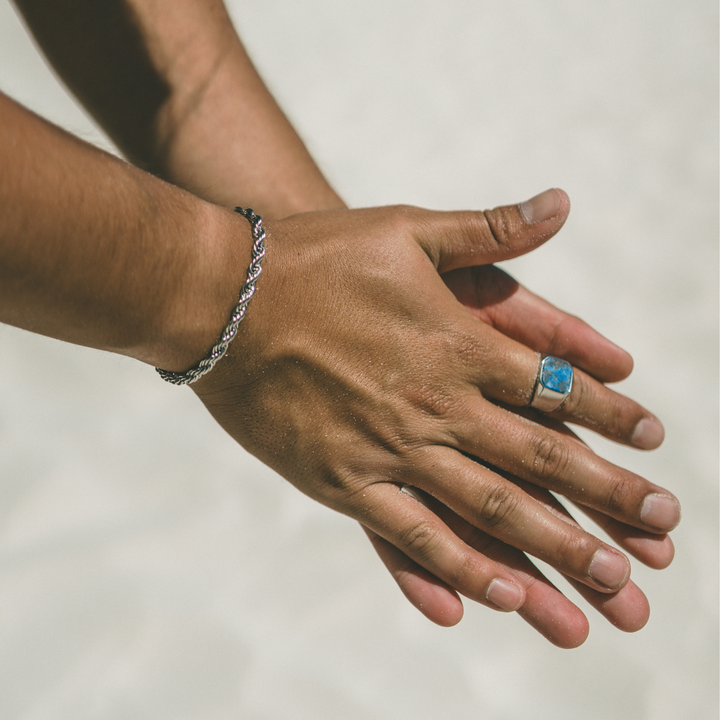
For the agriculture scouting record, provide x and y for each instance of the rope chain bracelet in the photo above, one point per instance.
(248, 290)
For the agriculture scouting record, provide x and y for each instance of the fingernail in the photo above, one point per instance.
(660, 511)
(649, 434)
(609, 568)
(505, 595)
(540, 208)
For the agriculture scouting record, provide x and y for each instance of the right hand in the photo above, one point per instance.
(498, 300)
(357, 372)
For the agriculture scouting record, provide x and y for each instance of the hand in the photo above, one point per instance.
(545, 607)
(498, 300)
(415, 414)
(358, 372)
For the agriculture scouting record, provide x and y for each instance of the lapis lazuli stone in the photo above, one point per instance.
(556, 375)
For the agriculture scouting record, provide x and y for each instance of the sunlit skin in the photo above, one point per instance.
(383, 349)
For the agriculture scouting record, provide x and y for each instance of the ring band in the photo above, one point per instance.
(553, 384)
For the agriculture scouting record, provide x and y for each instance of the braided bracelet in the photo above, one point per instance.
(248, 290)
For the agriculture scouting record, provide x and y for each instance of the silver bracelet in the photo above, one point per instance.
(248, 290)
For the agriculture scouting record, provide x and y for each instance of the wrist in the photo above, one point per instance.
(204, 293)
(238, 312)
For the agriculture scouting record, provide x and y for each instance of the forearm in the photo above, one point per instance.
(236, 143)
(173, 87)
(99, 253)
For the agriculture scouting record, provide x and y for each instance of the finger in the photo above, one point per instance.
(507, 371)
(501, 302)
(500, 508)
(552, 614)
(655, 551)
(436, 600)
(420, 535)
(596, 407)
(628, 608)
(551, 459)
(545, 608)
(460, 239)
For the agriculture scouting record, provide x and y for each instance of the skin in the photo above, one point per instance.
(408, 360)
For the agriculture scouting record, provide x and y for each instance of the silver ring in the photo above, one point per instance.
(553, 384)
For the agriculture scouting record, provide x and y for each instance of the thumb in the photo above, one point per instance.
(462, 239)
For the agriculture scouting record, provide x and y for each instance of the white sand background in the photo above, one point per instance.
(150, 568)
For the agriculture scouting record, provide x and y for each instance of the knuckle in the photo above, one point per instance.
(407, 216)
(553, 337)
(622, 416)
(498, 506)
(398, 221)
(341, 490)
(464, 573)
(404, 209)
(550, 458)
(498, 226)
(433, 400)
(611, 413)
(473, 224)
(574, 402)
(560, 335)
(573, 551)
(471, 351)
(617, 498)
(419, 540)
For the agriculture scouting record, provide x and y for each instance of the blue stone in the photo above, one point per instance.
(556, 375)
